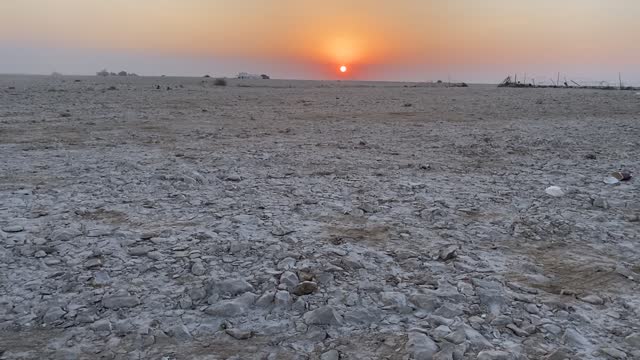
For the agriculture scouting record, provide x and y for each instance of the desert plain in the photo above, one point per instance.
(170, 218)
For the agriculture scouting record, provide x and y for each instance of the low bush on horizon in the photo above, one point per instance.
(220, 82)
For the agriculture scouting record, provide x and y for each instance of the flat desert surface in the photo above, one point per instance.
(169, 218)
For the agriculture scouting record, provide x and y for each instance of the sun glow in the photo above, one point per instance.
(343, 69)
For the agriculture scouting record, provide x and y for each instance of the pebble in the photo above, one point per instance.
(421, 346)
(53, 314)
(441, 331)
(554, 191)
(289, 279)
(92, 263)
(231, 287)
(330, 355)
(180, 332)
(425, 302)
(324, 315)
(516, 330)
(198, 269)
(63, 235)
(494, 355)
(40, 254)
(457, 337)
(227, 308)
(305, 288)
(633, 340)
(282, 299)
(120, 301)
(13, 228)
(593, 299)
(233, 177)
(448, 253)
(140, 250)
(101, 325)
(101, 278)
(239, 334)
(573, 337)
(614, 353)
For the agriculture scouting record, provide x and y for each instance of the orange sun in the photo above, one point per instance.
(343, 69)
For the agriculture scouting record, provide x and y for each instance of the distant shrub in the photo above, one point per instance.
(207, 76)
(439, 81)
(122, 73)
(220, 82)
(103, 73)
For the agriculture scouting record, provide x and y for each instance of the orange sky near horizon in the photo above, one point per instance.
(333, 32)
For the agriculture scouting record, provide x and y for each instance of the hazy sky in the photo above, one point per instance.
(471, 40)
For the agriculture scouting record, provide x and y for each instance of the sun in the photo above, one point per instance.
(343, 69)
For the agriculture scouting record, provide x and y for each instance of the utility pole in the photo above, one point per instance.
(620, 79)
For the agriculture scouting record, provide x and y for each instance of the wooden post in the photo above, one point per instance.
(620, 79)
(558, 81)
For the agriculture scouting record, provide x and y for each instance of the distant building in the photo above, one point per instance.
(244, 75)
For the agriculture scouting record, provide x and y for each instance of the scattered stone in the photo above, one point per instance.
(554, 191)
(593, 299)
(421, 346)
(600, 203)
(13, 228)
(324, 315)
(239, 334)
(101, 326)
(457, 337)
(305, 288)
(180, 332)
(119, 301)
(614, 353)
(425, 302)
(92, 263)
(198, 269)
(53, 314)
(573, 337)
(394, 300)
(516, 330)
(233, 177)
(633, 340)
(558, 354)
(227, 308)
(64, 235)
(476, 339)
(289, 279)
(40, 254)
(330, 355)
(449, 311)
(282, 299)
(494, 355)
(140, 250)
(231, 287)
(101, 278)
(448, 253)
(266, 299)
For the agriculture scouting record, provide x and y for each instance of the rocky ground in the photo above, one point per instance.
(168, 218)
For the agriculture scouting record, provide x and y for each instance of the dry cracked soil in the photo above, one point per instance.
(169, 218)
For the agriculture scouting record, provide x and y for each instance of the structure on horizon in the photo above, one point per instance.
(244, 75)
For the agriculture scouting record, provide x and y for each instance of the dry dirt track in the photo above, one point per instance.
(139, 222)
